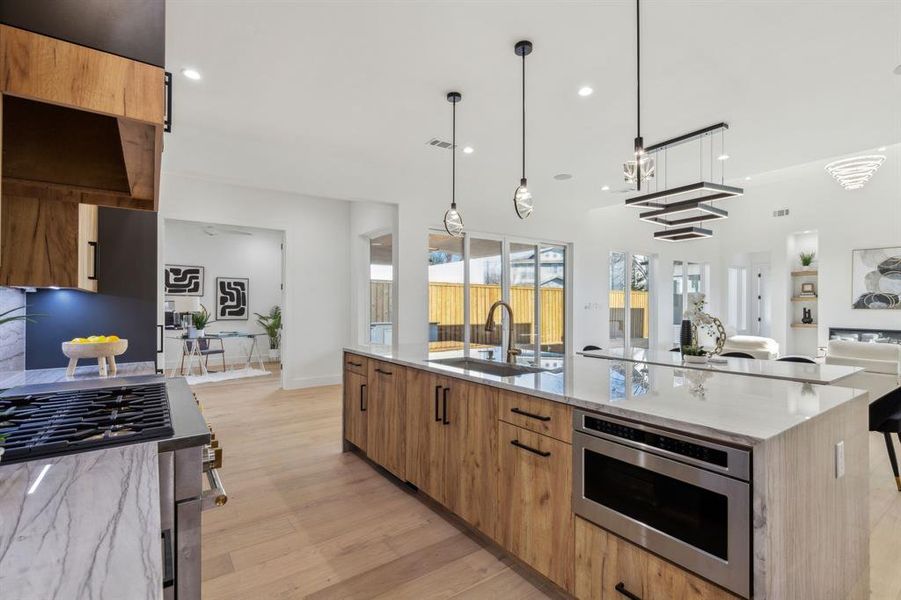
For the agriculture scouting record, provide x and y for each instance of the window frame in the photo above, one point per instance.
(629, 262)
(506, 284)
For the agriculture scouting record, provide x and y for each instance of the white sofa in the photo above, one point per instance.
(873, 356)
(759, 347)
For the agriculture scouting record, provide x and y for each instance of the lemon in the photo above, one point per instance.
(95, 338)
(112, 338)
(78, 340)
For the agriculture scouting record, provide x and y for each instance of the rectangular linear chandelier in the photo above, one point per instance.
(672, 209)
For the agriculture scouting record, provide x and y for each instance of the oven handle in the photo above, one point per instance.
(621, 588)
(215, 496)
(542, 453)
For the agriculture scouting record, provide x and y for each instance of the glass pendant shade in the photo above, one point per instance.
(640, 169)
(522, 200)
(453, 222)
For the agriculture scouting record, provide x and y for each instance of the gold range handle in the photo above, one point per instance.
(215, 496)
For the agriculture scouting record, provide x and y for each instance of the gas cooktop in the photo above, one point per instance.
(49, 422)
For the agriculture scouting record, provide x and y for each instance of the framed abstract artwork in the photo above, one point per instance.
(876, 278)
(231, 298)
(183, 280)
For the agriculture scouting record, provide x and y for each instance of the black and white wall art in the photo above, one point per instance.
(184, 280)
(231, 298)
(876, 278)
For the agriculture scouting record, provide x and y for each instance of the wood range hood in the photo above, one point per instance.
(79, 125)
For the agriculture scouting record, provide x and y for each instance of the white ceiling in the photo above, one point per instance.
(337, 99)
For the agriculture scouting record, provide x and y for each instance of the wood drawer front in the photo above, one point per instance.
(537, 414)
(356, 364)
(604, 561)
(535, 517)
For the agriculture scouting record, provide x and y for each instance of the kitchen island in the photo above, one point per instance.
(500, 451)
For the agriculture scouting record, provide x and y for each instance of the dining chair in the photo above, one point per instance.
(797, 358)
(737, 355)
(206, 350)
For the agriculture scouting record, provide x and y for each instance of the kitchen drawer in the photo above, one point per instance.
(536, 414)
(356, 364)
(610, 568)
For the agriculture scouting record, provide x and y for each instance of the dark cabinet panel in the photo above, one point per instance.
(135, 29)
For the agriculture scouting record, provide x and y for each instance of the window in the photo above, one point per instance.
(688, 278)
(737, 309)
(529, 276)
(630, 313)
(381, 290)
(446, 287)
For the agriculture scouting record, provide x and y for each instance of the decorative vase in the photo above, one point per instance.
(685, 334)
(807, 319)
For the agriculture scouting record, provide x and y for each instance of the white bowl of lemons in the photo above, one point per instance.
(102, 347)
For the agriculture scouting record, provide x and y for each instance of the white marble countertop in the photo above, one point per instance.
(10, 379)
(84, 525)
(771, 369)
(728, 407)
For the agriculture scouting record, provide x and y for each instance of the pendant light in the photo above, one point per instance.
(453, 222)
(641, 167)
(522, 197)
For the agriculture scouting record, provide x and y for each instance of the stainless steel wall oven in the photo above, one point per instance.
(683, 498)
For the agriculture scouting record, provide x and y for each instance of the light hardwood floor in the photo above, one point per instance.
(304, 520)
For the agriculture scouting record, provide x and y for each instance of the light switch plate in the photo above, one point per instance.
(840, 460)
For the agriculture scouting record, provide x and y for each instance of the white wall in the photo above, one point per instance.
(367, 219)
(317, 263)
(256, 256)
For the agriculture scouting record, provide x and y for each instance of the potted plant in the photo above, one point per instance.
(199, 320)
(272, 325)
(694, 355)
(807, 260)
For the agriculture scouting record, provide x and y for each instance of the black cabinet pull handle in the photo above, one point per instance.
(354, 364)
(168, 559)
(437, 391)
(167, 120)
(621, 588)
(519, 411)
(160, 347)
(362, 393)
(95, 246)
(519, 444)
(444, 418)
(383, 372)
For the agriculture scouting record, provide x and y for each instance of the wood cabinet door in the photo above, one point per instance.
(535, 501)
(385, 421)
(471, 470)
(425, 433)
(356, 392)
(87, 247)
(607, 566)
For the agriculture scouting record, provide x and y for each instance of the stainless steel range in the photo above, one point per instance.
(56, 419)
(683, 498)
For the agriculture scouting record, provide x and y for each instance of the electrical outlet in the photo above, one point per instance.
(840, 460)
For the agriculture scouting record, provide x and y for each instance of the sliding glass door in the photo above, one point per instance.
(529, 276)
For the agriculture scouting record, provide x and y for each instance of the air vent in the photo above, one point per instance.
(782, 212)
(438, 143)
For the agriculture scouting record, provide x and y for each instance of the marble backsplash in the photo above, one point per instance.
(12, 335)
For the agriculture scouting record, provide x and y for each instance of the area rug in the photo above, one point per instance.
(225, 376)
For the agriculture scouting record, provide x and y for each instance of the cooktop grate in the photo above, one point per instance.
(62, 422)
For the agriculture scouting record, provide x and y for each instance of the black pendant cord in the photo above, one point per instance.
(638, 68)
(454, 158)
(523, 116)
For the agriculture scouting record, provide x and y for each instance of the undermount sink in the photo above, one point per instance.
(486, 366)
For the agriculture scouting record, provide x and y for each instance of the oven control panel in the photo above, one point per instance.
(654, 439)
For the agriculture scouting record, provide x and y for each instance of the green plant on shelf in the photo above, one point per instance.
(807, 258)
(694, 351)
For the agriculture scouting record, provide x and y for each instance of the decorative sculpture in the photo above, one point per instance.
(700, 319)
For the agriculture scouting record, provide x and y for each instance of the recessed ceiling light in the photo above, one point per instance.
(723, 157)
(585, 91)
(880, 149)
(605, 188)
(562, 176)
(748, 178)
(192, 74)
(468, 149)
